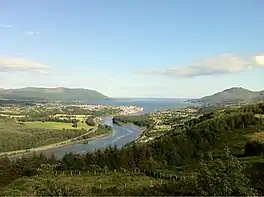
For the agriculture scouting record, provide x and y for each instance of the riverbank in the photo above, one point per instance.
(58, 145)
(74, 140)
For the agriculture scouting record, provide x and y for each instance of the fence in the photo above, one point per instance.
(135, 172)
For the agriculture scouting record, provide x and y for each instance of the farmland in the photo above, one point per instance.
(29, 128)
(17, 136)
(56, 125)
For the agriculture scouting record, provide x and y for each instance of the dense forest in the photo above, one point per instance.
(141, 121)
(213, 154)
(90, 121)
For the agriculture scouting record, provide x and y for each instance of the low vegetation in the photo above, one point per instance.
(56, 125)
(17, 136)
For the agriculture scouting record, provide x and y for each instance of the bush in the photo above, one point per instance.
(222, 177)
(254, 148)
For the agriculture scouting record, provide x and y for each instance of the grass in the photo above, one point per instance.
(13, 116)
(237, 139)
(259, 115)
(161, 127)
(56, 125)
(25, 186)
(17, 136)
(257, 136)
(78, 117)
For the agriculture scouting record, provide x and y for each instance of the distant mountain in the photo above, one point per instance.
(52, 94)
(233, 95)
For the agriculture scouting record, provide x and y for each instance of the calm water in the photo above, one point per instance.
(149, 105)
(120, 137)
(121, 134)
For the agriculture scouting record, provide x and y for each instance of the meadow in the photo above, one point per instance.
(18, 136)
(56, 125)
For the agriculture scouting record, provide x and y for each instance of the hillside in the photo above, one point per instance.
(51, 94)
(216, 148)
(233, 95)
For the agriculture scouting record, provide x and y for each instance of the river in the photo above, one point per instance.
(120, 136)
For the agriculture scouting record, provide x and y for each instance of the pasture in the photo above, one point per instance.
(78, 117)
(18, 136)
(56, 125)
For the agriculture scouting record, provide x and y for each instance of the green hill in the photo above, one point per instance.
(233, 95)
(51, 94)
(195, 162)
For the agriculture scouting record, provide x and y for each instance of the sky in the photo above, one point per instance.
(133, 48)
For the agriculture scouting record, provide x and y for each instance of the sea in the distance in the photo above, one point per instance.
(121, 134)
(148, 104)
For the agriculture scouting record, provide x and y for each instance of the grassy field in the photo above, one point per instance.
(260, 116)
(17, 136)
(25, 186)
(257, 136)
(13, 116)
(56, 125)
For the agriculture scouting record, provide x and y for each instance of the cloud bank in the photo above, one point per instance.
(223, 64)
(19, 64)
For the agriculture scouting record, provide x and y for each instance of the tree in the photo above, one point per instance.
(5, 171)
(74, 125)
(222, 177)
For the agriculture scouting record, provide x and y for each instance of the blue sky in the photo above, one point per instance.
(133, 48)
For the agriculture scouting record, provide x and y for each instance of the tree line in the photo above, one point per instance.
(207, 181)
(141, 121)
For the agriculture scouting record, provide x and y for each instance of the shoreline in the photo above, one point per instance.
(52, 148)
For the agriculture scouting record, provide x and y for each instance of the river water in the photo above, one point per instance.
(121, 134)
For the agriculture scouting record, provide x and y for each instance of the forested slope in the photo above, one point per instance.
(185, 163)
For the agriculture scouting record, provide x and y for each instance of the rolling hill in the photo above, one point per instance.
(52, 94)
(233, 95)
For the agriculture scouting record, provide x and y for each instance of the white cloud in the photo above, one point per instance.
(223, 64)
(6, 25)
(33, 33)
(19, 64)
(260, 60)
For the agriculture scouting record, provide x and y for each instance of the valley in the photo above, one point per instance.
(177, 152)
